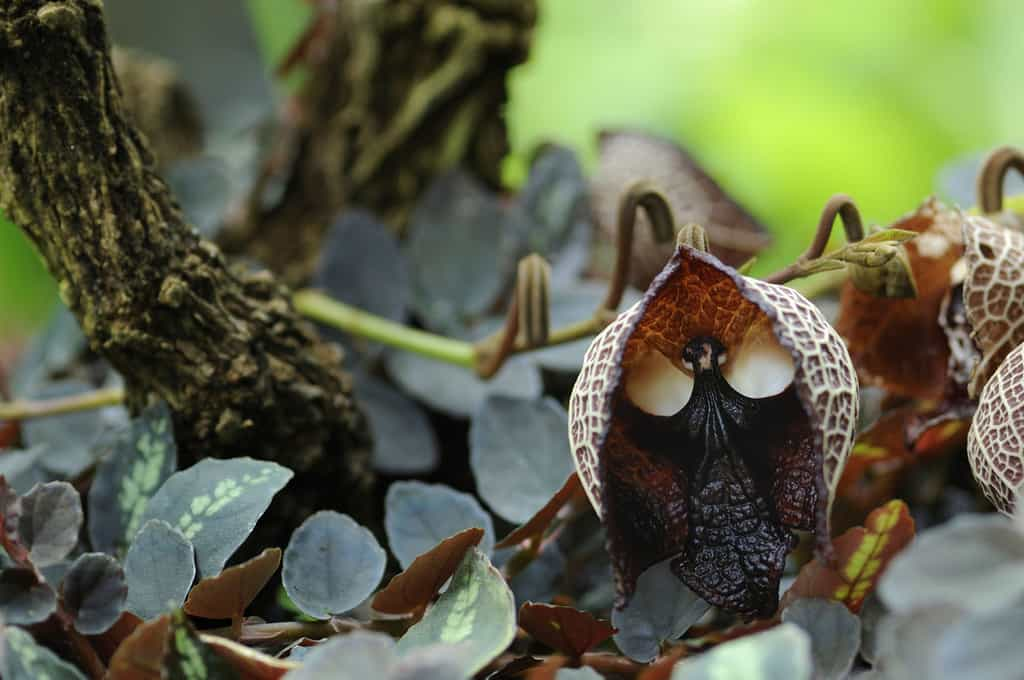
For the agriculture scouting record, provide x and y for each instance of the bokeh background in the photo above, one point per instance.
(784, 102)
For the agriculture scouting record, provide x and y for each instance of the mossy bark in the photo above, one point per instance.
(398, 91)
(243, 373)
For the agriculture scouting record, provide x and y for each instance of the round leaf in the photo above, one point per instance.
(51, 516)
(477, 613)
(781, 653)
(974, 561)
(331, 564)
(216, 504)
(661, 610)
(519, 453)
(24, 659)
(139, 461)
(94, 592)
(984, 646)
(457, 391)
(404, 442)
(418, 516)
(834, 633)
(24, 599)
(159, 568)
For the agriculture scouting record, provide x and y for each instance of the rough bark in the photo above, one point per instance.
(243, 373)
(398, 92)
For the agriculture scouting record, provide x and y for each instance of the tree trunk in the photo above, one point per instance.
(398, 92)
(243, 373)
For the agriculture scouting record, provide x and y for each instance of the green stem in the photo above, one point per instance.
(318, 306)
(23, 409)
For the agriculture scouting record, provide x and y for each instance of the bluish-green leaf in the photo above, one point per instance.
(24, 599)
(781, 653)
(51, 516)
(216, 504)
(362, 655)
(94, 591)
(141, 459)
(404, 442)
(834, 632)
(50, 352)
(477, 613)
(159, 568)
(661, 610)
(418, 516)
(583, 673)
(331, 564)
(24, 659)
(519, 454)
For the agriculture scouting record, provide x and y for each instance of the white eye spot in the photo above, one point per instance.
(760, 367)
(656, 386)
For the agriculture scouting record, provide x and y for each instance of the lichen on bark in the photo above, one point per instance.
(243, 373)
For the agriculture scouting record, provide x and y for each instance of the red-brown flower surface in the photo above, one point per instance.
(709, 421)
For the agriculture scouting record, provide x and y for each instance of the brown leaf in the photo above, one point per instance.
(547, 670)
(571, 491)
(226, 595)
(141, 655)
(661, 669)
(110, 640)
(249, 663)
(516, 668)
(627, 157)
(861, 556)
(416, 586)
(564, 629)
(877, 329)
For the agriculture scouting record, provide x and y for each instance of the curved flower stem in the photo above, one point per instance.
(993, 175)
(23, 409)
(639, 195)
(839, 205)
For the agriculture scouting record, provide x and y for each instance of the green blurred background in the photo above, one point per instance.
(784, 102)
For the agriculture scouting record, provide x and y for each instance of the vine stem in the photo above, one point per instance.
(22, 409)
(320, 307)
(839, 205)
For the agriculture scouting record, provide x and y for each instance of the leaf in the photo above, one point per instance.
(24, 659)
(22, 469)
(140, 460)
(24, 599)
(542, 578)
(834, 634)
(975, 562)
(363, 654)
(907, 642)
(457, 391)
(781, 653)
(627, 157)
(876, 330)
(404, 442)
(216, 504)
(661, 610)
(51, 516)
(69, 439)
(477, 611)
(554, 199)
(416, 586)
(460, 249)
(189, 658)
(331, 564)
(519, 454)
(141, 655)
(564, 629)
(361, 264)
(572, 490)
(861, 557)
(584, 673)
(418, 516)
(226, 595)
(94, 592)
(50, 352)
(159, 568)
(982, 646)
(248, 663)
